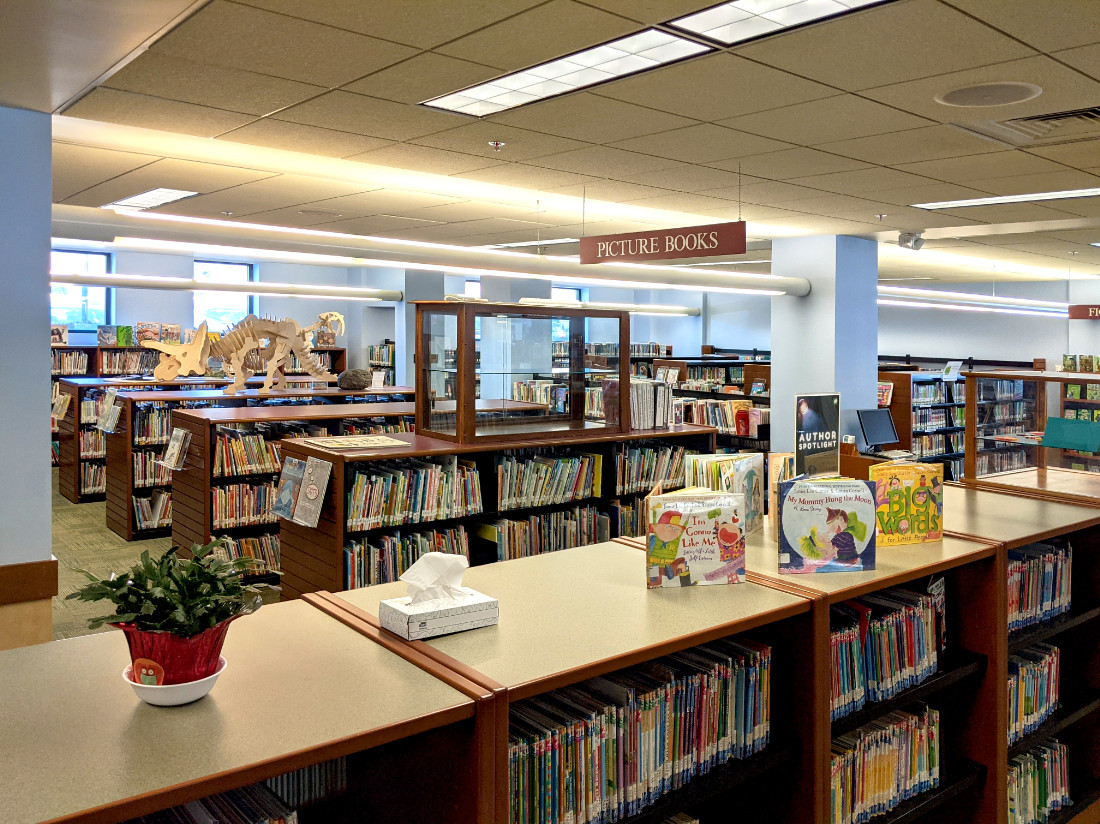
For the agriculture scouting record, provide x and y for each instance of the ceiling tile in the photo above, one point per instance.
(823, 121)
(427, 159)
(911, 145)
(686, 178)
(808, 224)
(1006, 213)
(295, 137)
(229, 34)
(681, 202)
(167, 174)
(526, 177)
(714, 87)
(1085, 58)
(1063, 89)
(652, 11)
(750, 211)
(423, 77)
(1083, 207)
(979, 167)
(549, 31)
(703, 143)
(382, 201)
(769, 193)
(262, 196)
(75, 168)
(520, 144)
(931, 193)
(433, 21)
(614, 191)
(1044, 182)
(1044, 26)
(291, 216)
(798, 162)
(358, 114)
(1081, 155)
(884, 44)
(861, 181)
(472, 210)
(374, 225)
(826, 205)
(603, 161)
(160, 75)
(584, 116)
(130, 109)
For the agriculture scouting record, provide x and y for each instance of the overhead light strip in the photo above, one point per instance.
(736, 22)
(264, 289)
(958, 307)
(150, 199)
(1033, 197)
(609, 61)
(973, 297)
(525, 243)
(632, 308)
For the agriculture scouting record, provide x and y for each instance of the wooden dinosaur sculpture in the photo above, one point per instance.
(179, 360)
(250, 340)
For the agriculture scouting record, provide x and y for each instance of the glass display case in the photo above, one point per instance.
(490, 370)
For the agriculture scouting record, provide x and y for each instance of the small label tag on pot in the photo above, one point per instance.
(147, 672)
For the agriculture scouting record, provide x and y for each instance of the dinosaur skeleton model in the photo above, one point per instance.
(241, 347)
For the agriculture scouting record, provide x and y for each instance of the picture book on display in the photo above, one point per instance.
(739, 472)
(124, 335)
(326, 337)
(170, 332)
(695, 537)
(290, 481)
(759, 387)
(1069, 363)
(908, 502)
(1085, 363)
(1073, 391)
(780, 468)
(146, 330)
(826, 525)
(59, 335)
(107, 335)
(885, 393)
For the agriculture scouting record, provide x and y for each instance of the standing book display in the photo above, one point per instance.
(695, 537)
(826, 525)
(739, 472)
(908, 502)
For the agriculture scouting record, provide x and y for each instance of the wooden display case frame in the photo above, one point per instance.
(466, 370)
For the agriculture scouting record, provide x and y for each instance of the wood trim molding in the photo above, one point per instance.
(32, 581)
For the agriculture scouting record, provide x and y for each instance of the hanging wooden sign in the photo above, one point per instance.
(1082, 311)
(714, 240)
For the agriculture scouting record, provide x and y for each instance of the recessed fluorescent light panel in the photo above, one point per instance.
(990, 201)
(524, 243)
(743, 20)
(638, 52)
(150, 199)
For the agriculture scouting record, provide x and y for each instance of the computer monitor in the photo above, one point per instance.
(877, 427)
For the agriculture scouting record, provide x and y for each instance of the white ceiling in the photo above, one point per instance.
(829, 125)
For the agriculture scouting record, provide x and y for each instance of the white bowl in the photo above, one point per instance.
(173, 695)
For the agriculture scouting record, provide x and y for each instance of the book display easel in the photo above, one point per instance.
(142, 432)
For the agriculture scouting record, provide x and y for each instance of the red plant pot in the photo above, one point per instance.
(162, 659)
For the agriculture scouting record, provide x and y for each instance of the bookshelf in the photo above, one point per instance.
(928, 415)
(382, 357)
(711, 373)
(544, 641)
(282, 704)
(67, 362)
(332, 358)
(71, 465)
(124, 445)
(313, 559)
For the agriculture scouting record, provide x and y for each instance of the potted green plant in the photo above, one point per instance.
(175, 611)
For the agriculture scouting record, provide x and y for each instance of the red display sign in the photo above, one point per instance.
(666, 244)
(1085, 311)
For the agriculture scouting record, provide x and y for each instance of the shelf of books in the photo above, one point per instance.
(382, 357)
(732, 664)
(387, 504)
(713, 373)
(282, 738)
(598, 355)
(227, 485)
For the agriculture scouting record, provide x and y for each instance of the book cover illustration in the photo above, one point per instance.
(759, 387)
(146, 330)
(107, 335)
(885, 393)
(59, 335)
(1085, 363)
(326, 337)
(673, 375)
(695, 537)
(662, 374)
(909, 502)
(1073, 391)
(1084, 415)
(816, 437)
(124, 335)
(559, 399)
(1096, 415)
(290, 481)
(1092, 391)
(826, 526)
(1069, 363)
(311, 495)
(171, 332)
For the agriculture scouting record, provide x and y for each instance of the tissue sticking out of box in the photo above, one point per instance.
(437, 603)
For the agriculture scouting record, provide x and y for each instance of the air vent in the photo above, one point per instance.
(1040, 129)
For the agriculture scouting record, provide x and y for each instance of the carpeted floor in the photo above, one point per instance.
(81, 539)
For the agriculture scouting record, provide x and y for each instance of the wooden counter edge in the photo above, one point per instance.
(30, 581)
(490, 700)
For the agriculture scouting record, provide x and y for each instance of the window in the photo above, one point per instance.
(472, 289)
(222, 310)
(559, 329)
(81, 307)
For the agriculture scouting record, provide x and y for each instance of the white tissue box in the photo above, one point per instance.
(439, 617)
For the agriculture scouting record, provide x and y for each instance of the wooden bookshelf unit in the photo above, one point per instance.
(313, 559)
(121, 446)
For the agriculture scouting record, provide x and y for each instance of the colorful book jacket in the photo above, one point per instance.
(170, 332)
(146, 330)
(290, 481)
(826, 525)
(695, 537)
(1073, 391)
(1069, 363)
(59, 334)
(741, 473)
(107, 335)
(124, 335)
(908, 502)
(326, 337)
